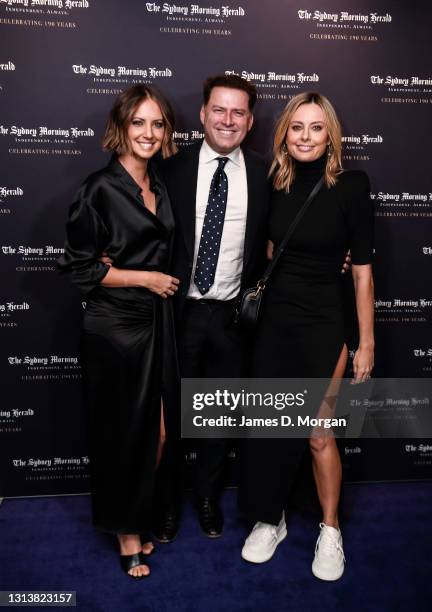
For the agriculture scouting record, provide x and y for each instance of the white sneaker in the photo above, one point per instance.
(329, 561)
(262, 541)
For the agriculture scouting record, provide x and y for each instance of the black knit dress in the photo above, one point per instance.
(302, 328)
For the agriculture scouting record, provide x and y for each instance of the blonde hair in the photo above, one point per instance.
(283, 166)
(115, 137)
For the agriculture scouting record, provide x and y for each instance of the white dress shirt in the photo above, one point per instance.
(229, 267)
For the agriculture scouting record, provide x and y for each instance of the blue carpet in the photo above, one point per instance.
(49, 544)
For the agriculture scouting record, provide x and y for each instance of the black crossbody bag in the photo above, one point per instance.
(249, 302)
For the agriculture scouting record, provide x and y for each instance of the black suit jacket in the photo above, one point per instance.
(181, 173)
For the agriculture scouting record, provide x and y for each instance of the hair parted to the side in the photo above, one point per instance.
(282, 169)
(232, 81)
(115, 137)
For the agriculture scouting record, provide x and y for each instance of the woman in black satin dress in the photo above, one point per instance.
(128, 348)
(302, 329)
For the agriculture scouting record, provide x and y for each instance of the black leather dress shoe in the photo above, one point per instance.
(210, 516)
(166, 525)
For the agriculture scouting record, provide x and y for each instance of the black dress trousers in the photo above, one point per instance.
(210, 346)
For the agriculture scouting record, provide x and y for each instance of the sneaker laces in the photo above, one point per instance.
(328, 544)
(261, 531)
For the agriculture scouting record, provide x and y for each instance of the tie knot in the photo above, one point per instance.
(222, 162)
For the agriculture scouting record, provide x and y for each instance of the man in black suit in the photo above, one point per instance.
(219, 194)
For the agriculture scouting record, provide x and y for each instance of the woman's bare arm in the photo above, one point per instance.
(364, 291)
(158, 282)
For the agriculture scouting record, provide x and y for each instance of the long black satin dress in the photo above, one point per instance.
(302, 329)
(128, 345)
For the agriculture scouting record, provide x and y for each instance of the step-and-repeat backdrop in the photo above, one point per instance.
(62, 62)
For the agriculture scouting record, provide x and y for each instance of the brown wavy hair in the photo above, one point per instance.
(115, 137)
(282, 169)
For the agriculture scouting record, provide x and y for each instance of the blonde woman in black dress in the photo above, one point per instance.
(128, 352)
(302, 326)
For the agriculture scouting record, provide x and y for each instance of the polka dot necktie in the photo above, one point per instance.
(208, 251)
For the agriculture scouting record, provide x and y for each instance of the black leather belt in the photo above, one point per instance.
(209, 302)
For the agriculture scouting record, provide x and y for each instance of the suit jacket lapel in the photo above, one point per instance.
(253, 205)
(185, 196)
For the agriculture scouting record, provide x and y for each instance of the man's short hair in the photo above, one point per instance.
(233, 81)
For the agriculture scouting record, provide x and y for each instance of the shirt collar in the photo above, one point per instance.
(118, 169)
(207, 154)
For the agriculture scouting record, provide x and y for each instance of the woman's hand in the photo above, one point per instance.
(363, 364)
(106, 259)
(347, 263)
(270, 249)
(160, 283)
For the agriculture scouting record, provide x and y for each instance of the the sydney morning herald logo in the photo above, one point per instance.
(11, 313)
(42, 133)
(402, 89)
(10, 307)
(32, 252)
(12, 420)
(275, 77)
(402, 304)
(43, 368)
(12, 414)
(402, 203)
(47, 4)
(44, 464)
(423, 353)
(422, 449)
(343, 18)
(122, 74)
(187, 137)
(359, 147)
(422, 357)
(27, 258)
(10, 192)
(361, 140)
(32, 361)
(403, 310)
(403, 83)
(8, 66)
(197, 11)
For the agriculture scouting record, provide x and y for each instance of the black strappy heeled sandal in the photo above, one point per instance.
(128, 562)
